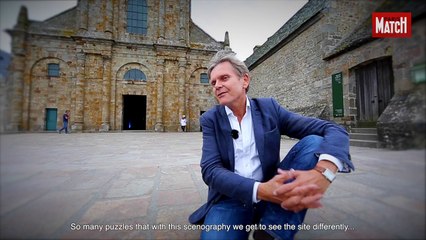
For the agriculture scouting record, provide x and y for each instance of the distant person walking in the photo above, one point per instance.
(65, 119)
(183, 123)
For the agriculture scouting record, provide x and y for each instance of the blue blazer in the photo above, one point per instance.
(270, 121)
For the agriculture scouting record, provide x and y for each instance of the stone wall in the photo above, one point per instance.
(336, 38)
(296, 74)
(4, 64)
(94, 53)
(402, 125)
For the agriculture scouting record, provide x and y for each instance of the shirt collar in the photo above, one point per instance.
(229, 111)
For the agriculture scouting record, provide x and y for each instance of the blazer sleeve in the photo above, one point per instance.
(336, 138)
(215, 164)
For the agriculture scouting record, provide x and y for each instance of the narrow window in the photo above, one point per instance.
(135, 75)
(53, 70)
(204, 78)
(137, 16)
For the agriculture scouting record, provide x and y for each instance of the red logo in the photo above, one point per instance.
(391, 24)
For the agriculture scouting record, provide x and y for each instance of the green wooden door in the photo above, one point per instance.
(51, 119)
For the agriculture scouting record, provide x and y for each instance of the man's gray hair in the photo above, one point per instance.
(228, 56)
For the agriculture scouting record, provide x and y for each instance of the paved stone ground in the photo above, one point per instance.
(123, 185)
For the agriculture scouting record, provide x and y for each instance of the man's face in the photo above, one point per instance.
(227, 85)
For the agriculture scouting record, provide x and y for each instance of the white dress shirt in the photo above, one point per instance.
(247, 162)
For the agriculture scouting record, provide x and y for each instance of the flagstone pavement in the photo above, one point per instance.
(143, 185)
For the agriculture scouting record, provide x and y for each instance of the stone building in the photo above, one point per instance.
(4, 64)
(324, 63)
(116, 65)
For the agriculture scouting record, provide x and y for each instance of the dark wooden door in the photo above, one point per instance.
(374, 83)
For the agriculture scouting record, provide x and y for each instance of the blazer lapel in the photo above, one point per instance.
(259, 132)
(226, 137)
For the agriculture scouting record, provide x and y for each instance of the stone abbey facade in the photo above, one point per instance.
(140, 64)
(116, 65)
(324, 63)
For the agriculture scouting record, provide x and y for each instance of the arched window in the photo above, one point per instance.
(137, 16)
(135, 74)
(204, 78)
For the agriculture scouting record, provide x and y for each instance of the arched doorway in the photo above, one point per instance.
(134, 112)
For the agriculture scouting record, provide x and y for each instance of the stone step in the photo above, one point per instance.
(364, 130)
(363, 136)
(363, 143)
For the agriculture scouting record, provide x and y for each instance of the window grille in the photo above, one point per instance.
(204, 78)
(137, 16)
(53, 70)
(135, 75)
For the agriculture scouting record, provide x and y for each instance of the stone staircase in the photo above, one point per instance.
(364, 137)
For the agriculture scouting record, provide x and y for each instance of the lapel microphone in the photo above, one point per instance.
(234, 134)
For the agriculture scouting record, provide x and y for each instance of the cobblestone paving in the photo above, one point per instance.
(143, 185)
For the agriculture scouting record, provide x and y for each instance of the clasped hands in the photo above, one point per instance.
(304, 191)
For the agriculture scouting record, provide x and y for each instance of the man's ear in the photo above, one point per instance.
(246, 80)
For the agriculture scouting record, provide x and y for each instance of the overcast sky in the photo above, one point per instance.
(249, 22)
